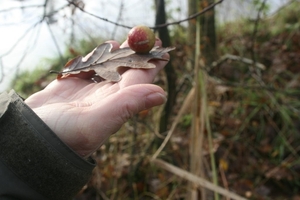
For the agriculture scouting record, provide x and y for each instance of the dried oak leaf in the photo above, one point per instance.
(105, 62)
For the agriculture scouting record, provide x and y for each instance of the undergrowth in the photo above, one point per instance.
(253, 112)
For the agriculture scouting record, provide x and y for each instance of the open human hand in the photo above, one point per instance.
(84, 114)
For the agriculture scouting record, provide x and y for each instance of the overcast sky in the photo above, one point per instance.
(38, 42)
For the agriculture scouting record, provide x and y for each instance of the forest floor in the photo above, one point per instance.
(253, 106)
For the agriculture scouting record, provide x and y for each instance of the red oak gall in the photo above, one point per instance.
(141, 39)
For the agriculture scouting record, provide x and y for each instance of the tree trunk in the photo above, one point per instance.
(191, 34)
(208, 33)
(169, 69)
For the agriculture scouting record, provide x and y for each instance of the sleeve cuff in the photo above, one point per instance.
(36, 155)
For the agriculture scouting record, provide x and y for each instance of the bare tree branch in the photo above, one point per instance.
(45, 7)
(237, 58)
(32, 27)
(21, 7)
(254, 34)
(155, 27)
(190, 17)
(98, 17)
(2, 71)
(118, 19)
(48, 14)
(20, 38)
(255, 73)
(83, 30)
(31, 43)
(55, 42)
(29, 46)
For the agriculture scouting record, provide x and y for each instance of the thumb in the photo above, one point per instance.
(116, 109)
(109, 114)
(132, 99)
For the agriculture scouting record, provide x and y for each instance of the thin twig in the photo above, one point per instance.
(154, 27)
(52, 12)
(254, 72)
(118, 19)
(55, 42)
(30, 45)
(186, 103)
(29, 29)
(292, 93)
(196, 179)
(21, 7)
(2, 71)
(85, 31)
(190, 17)
(223, 177)
(45, 8)
(237, 58)
(148, 125)
(20, 38)
(98, 17)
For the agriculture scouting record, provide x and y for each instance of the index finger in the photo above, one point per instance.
(139, 76)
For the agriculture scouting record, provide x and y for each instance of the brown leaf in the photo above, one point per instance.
(105, 61)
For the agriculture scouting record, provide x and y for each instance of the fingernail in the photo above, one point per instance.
(155, 99)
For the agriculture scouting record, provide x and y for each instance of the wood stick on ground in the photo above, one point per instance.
(237, 58)
(195, 179)
(183, 108)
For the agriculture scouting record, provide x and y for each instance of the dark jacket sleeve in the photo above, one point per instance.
(34, 162)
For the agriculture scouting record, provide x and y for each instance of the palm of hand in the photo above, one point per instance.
(84, 114)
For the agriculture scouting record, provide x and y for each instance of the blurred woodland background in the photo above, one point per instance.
(230, 128)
